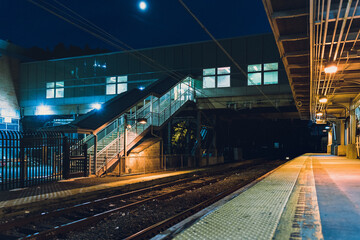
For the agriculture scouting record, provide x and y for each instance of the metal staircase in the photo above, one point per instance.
(108, 146)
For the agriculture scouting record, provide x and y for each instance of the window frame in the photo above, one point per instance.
(215, 74)
(54, 88)
(121, 80)
(262, 72)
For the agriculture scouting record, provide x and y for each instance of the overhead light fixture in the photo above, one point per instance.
(319, 114)
(327, 127)
(330, 68)
(323, 99)
(142, 120)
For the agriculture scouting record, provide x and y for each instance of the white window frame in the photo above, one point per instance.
(119, 81)
(216, 75)
(55, 90)
(262, 73)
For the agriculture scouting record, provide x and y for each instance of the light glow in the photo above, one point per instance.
(331, 68)
(142, 120)
(96, 106)
(142, 5)
(43, 110)
(323, 100)
(7, 119)
(319, 114)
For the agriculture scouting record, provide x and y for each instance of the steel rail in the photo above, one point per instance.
(61, 211)
(75, 225)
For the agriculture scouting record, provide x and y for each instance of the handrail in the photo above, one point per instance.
(164, 109)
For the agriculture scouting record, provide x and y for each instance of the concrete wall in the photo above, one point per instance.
(85, 77)
(148, 160)
(9, 107)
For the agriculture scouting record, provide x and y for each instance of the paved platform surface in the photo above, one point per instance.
(311, 197)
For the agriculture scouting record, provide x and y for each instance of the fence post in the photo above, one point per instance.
(85, 160)
(22, 161)
(66, 158)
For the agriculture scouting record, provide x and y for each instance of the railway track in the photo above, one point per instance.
(63, 220)
(72, 218)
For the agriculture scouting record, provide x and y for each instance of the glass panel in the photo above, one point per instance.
(122, 78)
(59, 93)
(254, 68)
(50, 93)
(208, 82)
(50, 85)
(110, 89)
(111, 80)
(271, 77)
(59, 84)
(271, 66)
(223, 81)
(254, 79)
(121, 87)
(209, 71)
(224, 70)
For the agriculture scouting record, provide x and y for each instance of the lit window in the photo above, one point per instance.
(223, 81)
(254, 68)
(209, 71)
(271, 77)
(254, 79)
(55, 89)
(271, 73)
(122, 84)
(209, 82)
(110, 89)
(216, 77)
(116, 85)
(271, 66)
(50, 93)
(223, 77)
(263, 74)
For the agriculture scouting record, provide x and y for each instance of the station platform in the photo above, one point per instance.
(310, 197)
(79, 188)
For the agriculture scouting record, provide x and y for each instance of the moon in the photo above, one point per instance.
(143, 5)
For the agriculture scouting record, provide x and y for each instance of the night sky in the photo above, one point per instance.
(164, 22)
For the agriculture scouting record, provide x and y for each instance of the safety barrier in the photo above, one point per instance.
(32, 158)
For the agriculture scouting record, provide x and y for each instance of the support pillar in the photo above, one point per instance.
(342, 148)
(330, 141)
(351, 147)
(198, 157)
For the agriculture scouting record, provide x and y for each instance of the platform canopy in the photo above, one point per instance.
(312, 36)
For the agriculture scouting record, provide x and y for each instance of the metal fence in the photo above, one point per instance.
(32, 158)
